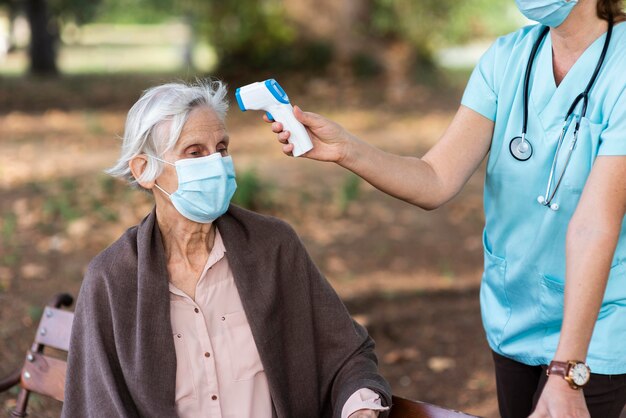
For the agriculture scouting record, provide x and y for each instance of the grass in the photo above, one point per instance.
(9, 245)
(104, 212)
(10, 259)
(62, 204)
(349, 192)
(447, 271)
(35, 312)
(92, 121)
(9, 227)
(68, 199)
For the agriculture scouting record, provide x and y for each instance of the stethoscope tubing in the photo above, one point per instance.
(529, 68)
(546, 199)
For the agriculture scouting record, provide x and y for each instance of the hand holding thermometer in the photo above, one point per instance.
(269, 96)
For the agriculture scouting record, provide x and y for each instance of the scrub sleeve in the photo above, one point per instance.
(480, 94)
(613, 138)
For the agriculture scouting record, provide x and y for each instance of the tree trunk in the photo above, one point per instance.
(43, 37)
(190, 23)
(12, 17)
(399, 58)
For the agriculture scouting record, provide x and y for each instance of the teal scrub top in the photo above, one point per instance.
(522, 288)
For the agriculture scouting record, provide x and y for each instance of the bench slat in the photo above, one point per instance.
(45, 375)
(55, 328)
(405, 408)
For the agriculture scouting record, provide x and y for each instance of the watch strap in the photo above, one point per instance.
(559, 368)
(562, 368)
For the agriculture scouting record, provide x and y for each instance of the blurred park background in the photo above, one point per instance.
(391, 71)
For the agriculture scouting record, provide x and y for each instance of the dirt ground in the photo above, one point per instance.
(409, 275)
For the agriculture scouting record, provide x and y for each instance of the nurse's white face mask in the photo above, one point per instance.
(547, 12)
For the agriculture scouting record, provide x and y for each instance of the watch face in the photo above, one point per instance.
(579, 373)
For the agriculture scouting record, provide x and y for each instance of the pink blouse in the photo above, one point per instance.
(219, 372)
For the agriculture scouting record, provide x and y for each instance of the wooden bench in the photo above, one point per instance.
(405, 408)
(42, 373)
(45, 375)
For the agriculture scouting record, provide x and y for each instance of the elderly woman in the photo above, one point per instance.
(205, 309)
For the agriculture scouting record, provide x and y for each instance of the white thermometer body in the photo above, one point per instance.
(269, 96)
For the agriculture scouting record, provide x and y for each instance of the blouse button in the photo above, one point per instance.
(214, 397)
(207, 354)
(196, 310)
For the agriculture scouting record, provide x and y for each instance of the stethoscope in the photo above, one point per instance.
(521, 149)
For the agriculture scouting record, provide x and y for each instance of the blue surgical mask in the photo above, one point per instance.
(205, 187)
(547, 12)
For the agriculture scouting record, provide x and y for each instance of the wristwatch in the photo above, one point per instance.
(576, 373)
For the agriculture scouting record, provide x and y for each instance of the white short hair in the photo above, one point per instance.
(160, 108)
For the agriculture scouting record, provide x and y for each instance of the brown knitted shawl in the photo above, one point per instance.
(122, 360)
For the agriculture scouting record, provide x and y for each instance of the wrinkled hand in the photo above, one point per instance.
(364, 413)
(330, 140)
(559, 400)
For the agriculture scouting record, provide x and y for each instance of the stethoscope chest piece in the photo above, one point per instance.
(520, 148)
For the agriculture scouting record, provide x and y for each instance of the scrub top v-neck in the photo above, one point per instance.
(524, 241)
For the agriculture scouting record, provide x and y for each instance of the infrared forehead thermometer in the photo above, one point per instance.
(269, 96)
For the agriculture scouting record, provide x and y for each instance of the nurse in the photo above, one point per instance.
(547, 106)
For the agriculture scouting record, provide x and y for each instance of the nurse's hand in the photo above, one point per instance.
(559, 400)
(331, 141)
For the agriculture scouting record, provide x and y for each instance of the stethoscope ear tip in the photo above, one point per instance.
(542, 201)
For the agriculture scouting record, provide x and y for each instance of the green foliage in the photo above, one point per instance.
(108, 185)
(35, 312)
(245, 32)
(349, 191)
(480, 19)
(446, 270)
(428, 24)
(78, 11)
(62, 204)
(9, 249)
(256, 35)
(9, 227)
(104, 212)
(365, 65)
(252, 193)
(312, 55)
(93, 123)
(134, 11)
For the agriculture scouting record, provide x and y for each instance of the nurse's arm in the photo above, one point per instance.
(427, 182)
(592, 237)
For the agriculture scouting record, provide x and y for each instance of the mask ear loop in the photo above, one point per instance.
(163, 191)
(155, 183)
(158, 159)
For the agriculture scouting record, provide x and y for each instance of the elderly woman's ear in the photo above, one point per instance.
(137, 166)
